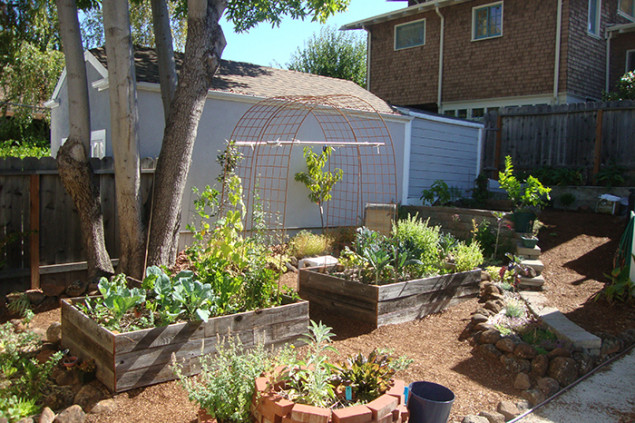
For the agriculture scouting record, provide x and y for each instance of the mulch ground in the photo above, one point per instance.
(577, 250)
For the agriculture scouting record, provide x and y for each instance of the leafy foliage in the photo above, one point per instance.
(610, 175)
(333, 53)
(467, 256)
(621, 288)
(318, 181)
(523, 194)
(307, 244)
(22, 377)
(624, 89)
(225, 386)
(440, 194)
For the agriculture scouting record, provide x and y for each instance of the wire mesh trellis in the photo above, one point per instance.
(265, 138)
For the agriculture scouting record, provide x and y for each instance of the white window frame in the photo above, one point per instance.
(410, 23)
(624, 14)
(632, 54)
(597, 17)
(486, 6)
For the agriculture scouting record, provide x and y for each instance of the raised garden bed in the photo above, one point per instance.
(387, 304)
(140, 358)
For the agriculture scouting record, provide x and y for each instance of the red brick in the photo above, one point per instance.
(405, 414)
(397, 390)
(289, 420)
(309, 414)
(261, 384)
(382, 406)
(385, 419)
(283, 406)
(354, 414)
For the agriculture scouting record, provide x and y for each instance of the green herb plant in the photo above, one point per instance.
(526, 194)
(620, 289)
(440, 194)
(319, 182)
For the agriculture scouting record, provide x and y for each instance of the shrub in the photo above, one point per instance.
(422, 238)
(467, 257)
(225, 387)
(567, 199)
(307, 244)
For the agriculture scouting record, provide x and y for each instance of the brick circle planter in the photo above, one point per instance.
(269, 407)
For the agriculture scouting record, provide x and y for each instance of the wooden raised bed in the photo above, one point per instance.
(386, 304)
(134, 359)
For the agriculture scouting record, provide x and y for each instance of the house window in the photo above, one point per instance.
(626, 8)
(411, 34)
(487, 21)
(630, 61)
(478, 113)
(450, 113)
(462, 113)
(595, 7)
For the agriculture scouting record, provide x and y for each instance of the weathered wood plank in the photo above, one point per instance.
(388, 306)
(139, 359)
(153, 375)
(409, 314)
(432, 284)
(103, 370)
(102, 337)
(360, 311)
(160, 336)
(337, 286)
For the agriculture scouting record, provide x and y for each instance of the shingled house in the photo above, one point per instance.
(463, 57)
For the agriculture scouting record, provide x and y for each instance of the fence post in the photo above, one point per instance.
(34, 241)
(597, 155)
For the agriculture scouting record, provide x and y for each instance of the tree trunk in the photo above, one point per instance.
(124, 120)
(165, 53)
(205, 44)
(72, 158)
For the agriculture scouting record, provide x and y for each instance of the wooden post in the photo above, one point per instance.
(499, 144)
(597, 154)
(34, 241)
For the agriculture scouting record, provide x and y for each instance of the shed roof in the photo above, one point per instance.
(255, 80)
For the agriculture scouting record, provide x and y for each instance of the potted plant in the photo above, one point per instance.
(527, 196)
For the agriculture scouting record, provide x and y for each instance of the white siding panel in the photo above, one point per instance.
(442, 150)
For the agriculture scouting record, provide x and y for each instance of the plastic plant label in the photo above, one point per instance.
(349, 393)
(405, 394)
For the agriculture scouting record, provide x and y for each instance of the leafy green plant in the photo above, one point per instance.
(529, 193)
(467, 257)
(621, 287)
(118, 298)
(22, 377)
(514, 308)
(561, 176)
(422, 239)
(440, 194)
(318, 181)
(308, 380)
(307, 244)
(368, 376)
(610, 175)
(624, 89)
(480, 193)
(225, 386)
(483, 234)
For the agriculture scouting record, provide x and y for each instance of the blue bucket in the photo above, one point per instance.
(429, 402)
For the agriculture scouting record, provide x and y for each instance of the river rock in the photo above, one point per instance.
(610, 345)
(525, 351)
(585, 362)
(471, 418)
(489, 350)
(47, 416)
(508, 409)
(559, 352)
(522, 381)
(77, 288)
(564, 370)
(492, 416)
(514, 364)
(59, 397)
(490, 336)
(479, 318)
(539, 366)
(534, 396)
(35, 296)
(494, 306)
(73, 414)
(88, 396)
(506, 345)
(54, 333)
(548, 386)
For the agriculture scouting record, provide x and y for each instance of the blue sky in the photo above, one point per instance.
(265, 46)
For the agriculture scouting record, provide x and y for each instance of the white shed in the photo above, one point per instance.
(236, 88)
(440, 147)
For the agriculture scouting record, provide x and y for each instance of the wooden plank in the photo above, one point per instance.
(153, 375)
(386, 307)
(499, 143)
(103, 337)
(407, 315)
(103, 372)
(68, 267)
(597, 151)
(139, 359)
(141, 340)
(86, 347)
(336, 286)
(421, 286)
(350, 310)
(34, 241)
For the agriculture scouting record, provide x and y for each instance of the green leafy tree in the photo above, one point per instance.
(333, 53)
(318, 181)
(624, 89)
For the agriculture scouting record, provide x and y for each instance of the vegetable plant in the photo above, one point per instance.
(526, 194)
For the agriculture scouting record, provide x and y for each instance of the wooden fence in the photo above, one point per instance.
(40, 236)
(581, 136)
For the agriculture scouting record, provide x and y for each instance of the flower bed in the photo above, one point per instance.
(140, 358)
(387, 304)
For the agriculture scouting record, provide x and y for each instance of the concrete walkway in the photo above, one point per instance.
(606, 396)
